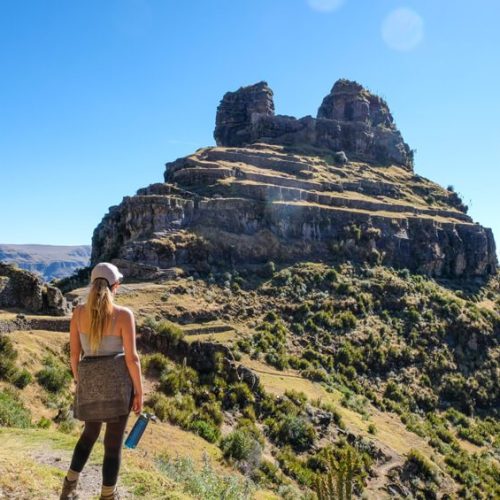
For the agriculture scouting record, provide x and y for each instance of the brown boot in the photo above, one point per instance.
(112, 496)
(69, 490)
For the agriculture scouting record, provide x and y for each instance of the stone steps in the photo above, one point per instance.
(269, 192)
(280, 163)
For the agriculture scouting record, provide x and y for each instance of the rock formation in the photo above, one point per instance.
(350, 119)
(337, 187)
(25, 290)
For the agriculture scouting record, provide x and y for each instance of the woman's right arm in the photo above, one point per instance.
(132, 358)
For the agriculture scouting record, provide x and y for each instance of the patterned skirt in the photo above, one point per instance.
(104, 390)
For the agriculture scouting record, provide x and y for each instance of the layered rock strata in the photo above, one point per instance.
(243, 205)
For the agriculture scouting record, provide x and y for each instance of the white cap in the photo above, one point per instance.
(106, 270)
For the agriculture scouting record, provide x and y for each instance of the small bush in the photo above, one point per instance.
(7, 357)
(169, 330)
(239, 394)
(206, 430)
(181, 379)
(12, 411)
(316, 374)
(422, 464)
(296, 431)
(54, 376)
(238, 445)
(157, 403)
(155, 364)
(43, 423)
(21, 378)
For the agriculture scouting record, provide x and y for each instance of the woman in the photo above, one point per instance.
(103, 332)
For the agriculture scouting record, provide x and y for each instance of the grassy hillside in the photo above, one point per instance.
(393, 370)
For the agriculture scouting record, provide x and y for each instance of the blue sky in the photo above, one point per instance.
(96, 96)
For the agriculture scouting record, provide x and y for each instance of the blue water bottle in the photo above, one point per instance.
(137, 431)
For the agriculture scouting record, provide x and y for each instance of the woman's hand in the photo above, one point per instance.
(137, 403)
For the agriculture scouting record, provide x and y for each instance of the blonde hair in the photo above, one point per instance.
(99, 308)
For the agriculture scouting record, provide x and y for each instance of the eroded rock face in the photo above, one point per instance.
(23, 289)
(236, 206)
(350, 119)
(240, 110)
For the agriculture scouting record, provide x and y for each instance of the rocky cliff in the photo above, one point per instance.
(340, 186)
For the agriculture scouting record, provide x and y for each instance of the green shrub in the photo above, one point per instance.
(159, 403)
(316, 374)
(181, 409)
(299, 398)
(423, 465)
(169, 330)
(181, 379)
(239, 445)
(211, 411)
(54, 376)
(43, 423)
(372, 429)
(394, 392)
(12, 411)
(8, 355)
(295, 431)
(206, 430)
(239, 394)
(21, 378)
(278, 360)
(67, 426)
(295, 467)
(154, 364)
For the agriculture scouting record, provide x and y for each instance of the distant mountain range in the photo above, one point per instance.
(50, 261)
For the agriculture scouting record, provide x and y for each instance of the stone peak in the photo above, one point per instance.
(350, 119)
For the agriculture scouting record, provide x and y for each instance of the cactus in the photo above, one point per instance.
(336, 484)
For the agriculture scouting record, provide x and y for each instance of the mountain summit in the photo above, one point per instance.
(350, 119)
(275, 188)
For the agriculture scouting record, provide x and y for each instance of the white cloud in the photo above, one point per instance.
(403, 29)
(325, 5)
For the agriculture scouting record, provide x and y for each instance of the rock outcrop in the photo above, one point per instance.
(350, 119)
(25, 290)
(267, 201)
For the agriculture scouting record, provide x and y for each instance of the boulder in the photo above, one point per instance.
(26, 290)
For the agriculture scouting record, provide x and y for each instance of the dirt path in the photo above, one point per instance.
(89, 484)
(376, 486)
(33, 463)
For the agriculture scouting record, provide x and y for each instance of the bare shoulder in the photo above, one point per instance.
(124, 313)
(78, 309)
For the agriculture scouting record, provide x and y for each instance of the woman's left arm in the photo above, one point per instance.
(74, 343)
